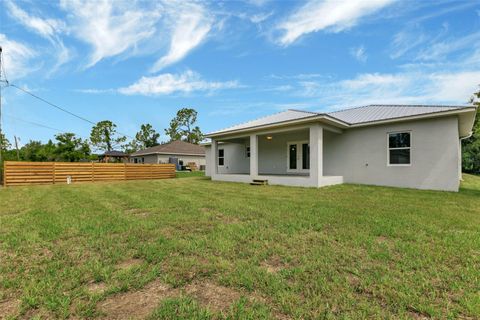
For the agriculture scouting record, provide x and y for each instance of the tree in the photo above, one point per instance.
(132, 146)
(182, 127)
(4, 143)
(70, 148)
(471, 146)
(104, 136)
(147, 136)
(36, 151)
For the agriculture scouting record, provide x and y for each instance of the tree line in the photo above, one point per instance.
(104, 137)
(471, 145)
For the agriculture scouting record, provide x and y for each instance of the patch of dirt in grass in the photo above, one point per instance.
(130, 263)
(9, 308)
(381, 239)
(38, 314)
(416, 314)
(137, 212)
(96, 287)
(217, 215)
(213, 296)
(136, 304)
(353, 280)
(273, 264)
(45, 253)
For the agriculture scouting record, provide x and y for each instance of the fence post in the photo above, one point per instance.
(53, 172)
(4, 168)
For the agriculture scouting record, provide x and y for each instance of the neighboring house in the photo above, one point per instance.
(183, 151)
(114, 156)
(391, 145)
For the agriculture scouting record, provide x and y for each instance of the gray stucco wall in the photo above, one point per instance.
(151, 158)
(360, 155)
(236, 160)
(272, 154)
(163, 158)
(208, 160)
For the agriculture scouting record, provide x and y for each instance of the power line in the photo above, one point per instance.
(34, 123)
(51, 104)
(58, 107)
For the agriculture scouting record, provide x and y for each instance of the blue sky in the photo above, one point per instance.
(137, 62)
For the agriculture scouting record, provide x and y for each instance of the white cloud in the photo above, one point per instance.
(439, 50)
(369, 80)
(47, 28)
(167, 83)
(457, 86)
(191, 25)
(397, 88)
(260, 17)
(111, 28)
(406, 40)
(331, 15)
(359, 53)
(17, 58)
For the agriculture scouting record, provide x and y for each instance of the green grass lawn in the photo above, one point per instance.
(196, 249)
(188, 174)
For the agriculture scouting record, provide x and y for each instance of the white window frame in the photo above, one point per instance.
(299, 157)
(218, 157)
(402, 148)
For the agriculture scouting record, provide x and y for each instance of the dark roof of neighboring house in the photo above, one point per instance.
(114, 153)
(174, 147)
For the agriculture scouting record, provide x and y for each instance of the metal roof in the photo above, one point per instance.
(283, 116)
(384, 112)
(352, 116)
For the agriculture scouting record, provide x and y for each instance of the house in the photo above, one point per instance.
(114, 156)
(182, 151)
(410, 146)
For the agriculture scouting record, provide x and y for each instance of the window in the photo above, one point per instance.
(135, 160)
(221, 157)
(247, 151)
(305, 156)
(399, 148)
(143, 160)
(292, 149)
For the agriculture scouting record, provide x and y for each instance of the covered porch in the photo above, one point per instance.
(292, 156)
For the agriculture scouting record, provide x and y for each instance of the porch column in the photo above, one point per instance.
(253, 156)
(316, 154)
(214, 157)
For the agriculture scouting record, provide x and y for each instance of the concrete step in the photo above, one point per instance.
(257, 182)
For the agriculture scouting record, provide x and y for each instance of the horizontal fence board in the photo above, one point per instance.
(36, 173)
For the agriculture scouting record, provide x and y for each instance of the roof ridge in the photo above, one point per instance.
(416, 105)
(352, 108)
(304, 111)
(399, 105)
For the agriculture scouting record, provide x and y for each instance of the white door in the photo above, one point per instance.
(298, 156)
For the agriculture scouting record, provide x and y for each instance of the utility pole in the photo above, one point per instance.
(1, 137)
(16, 147)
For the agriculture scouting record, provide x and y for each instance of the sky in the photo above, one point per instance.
(135, 62)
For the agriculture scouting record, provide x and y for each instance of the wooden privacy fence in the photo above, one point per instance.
(32, 173)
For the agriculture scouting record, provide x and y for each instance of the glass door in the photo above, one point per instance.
(298, 156)
(292, 157)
